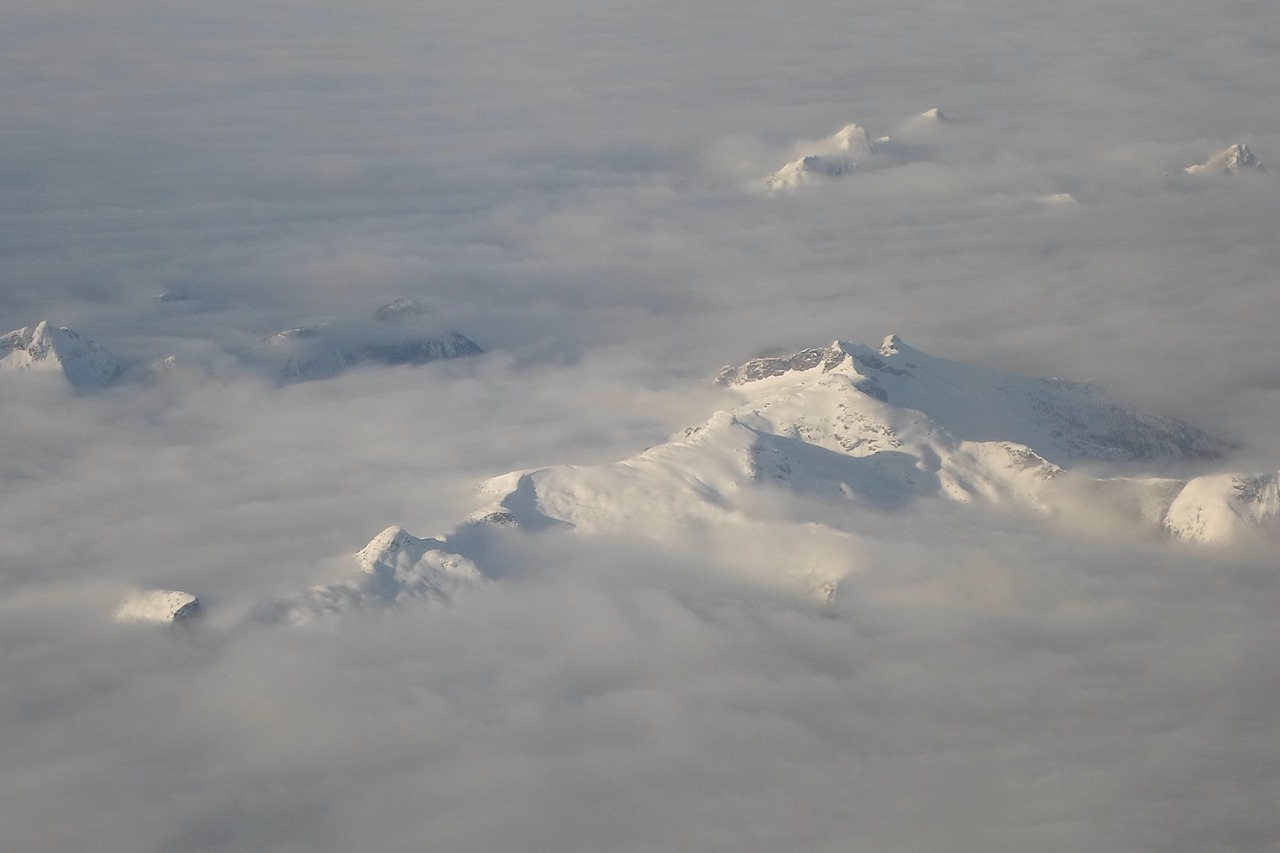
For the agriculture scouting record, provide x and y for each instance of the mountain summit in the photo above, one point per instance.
(399, 333)
(844, 151)
(878, 429)
(1227, 161)
(850, 149)
(1062, 420)
(56, 349)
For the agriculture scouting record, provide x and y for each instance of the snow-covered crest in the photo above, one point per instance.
(1228, 161)
(856, 430)
(56, 349)
(399, 333)
(1224, 507)
(876, 429)
(1062, 420)
(850, 149)
(160, 606)
(394, 567)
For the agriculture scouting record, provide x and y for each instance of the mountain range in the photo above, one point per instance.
(852, 149)
(833, 439)
(399, 333)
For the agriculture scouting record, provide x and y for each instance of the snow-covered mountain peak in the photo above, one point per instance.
(804, 361)
(805, 169)
(1229, 161)
(1061, 420)
(854, 139)
(1220, 508)
(384, 550)
(395, 566)
(399, 310)
(56, 349)
(847, 150)
(892, 345)
(160, 606)
(1239, 156)
(394, 337)
(878, 429)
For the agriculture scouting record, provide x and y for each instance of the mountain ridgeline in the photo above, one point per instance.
(822, 446)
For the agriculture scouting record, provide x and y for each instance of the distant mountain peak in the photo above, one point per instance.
(160, 606)
(851, 149)
(1229, 161)
(891, 345)
(82, 360)
(394, 567)
(388, 548)
(854, 139)
(1218, 508)
(1061, 420)
(400, 309)
(766, 367)
(326, 349)
(1239, 156)
(802, 171)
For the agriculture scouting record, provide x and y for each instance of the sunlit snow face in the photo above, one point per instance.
(576, 187)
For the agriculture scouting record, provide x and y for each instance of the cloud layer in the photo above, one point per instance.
(571, 186)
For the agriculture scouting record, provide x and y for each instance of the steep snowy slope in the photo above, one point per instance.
(56, 349)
